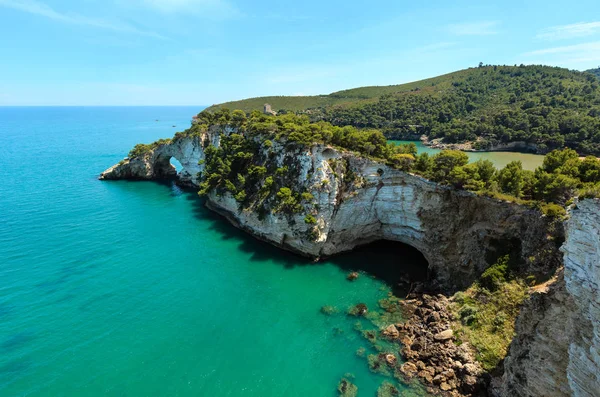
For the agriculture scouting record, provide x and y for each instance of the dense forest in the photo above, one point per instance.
(239, 165)
(595, 72)
(547, 107)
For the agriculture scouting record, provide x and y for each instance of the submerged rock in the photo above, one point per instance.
(347, 388)
(391, 332)
(387, 390)
(352, 276)
(329, 310)
(358, 310)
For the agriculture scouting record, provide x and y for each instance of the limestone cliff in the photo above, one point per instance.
(556, 351)
(357, 201)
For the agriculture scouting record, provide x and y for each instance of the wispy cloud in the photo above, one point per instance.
(583, 55)
(44, 10)
(482, 28)
(569, 49)
(205, 8)
(580, 29)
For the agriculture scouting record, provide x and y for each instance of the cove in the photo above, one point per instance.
(500, 159)
(134, 288)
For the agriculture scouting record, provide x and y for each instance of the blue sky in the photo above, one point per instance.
(200, 52)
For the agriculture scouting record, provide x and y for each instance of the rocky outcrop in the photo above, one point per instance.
(556, 351)
(156, 163)
(430, 352)
(358, 201)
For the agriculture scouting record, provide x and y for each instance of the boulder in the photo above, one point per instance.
(443, 336)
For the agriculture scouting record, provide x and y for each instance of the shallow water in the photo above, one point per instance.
(500, 159)
(135, 289)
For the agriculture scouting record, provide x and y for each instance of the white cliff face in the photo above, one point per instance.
(582, 278)
(455, 230)
(556, 351)
(358, 201)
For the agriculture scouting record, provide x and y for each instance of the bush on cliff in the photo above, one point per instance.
(143, 148)
(496, 275)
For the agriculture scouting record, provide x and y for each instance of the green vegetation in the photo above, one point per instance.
(246, 164)
(143, 148)
(487, 312)
(489, 105)
(595, 72)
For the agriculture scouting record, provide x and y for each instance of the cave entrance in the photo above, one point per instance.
(399, 265)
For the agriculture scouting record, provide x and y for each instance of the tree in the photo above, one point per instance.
(445, 161)
(557, 158)
(238, 117)
(510, 178)
(423, 164)
(467, 177)
(402, 161)
(486, 171)
(589, 169)
(561, 189)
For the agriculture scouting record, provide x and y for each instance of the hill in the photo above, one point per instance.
(347, 97)
(595, 72)
(487, 106)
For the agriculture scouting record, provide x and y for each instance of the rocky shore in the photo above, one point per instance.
(430, 350)
(474, 146)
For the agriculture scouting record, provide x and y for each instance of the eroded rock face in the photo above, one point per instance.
(358, 201)
(556, 351)
(156, 163)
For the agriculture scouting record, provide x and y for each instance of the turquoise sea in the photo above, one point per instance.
(135, 289)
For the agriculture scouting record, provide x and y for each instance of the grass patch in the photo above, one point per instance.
(486, 316)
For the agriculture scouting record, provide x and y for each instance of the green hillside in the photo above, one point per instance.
(595, 72)
(345, 97)
(545, 106)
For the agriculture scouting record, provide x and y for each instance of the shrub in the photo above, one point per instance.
(402, 161)
(310, 220)
(494, 276)
(306, 196)
(553, 210)
(468, 314)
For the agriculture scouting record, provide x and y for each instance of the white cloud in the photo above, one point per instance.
(41, 9)
(482, 28)
(580, 29)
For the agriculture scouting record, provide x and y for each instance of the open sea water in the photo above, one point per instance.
(135, 289)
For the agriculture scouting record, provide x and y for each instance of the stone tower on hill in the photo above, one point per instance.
(267, 110)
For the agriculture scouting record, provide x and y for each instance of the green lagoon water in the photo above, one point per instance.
(135, 289)
(500, 159)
